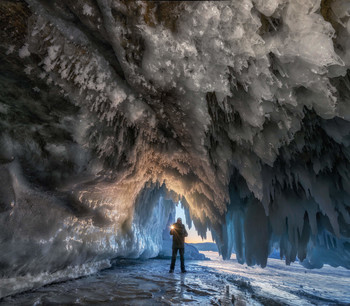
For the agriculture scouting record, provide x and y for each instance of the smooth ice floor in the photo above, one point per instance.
(215, 282)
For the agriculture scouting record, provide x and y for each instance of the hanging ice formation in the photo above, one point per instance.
(112, 110)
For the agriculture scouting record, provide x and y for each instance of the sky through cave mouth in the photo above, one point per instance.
(193, 236)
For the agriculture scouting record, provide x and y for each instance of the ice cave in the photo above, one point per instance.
(113, 111)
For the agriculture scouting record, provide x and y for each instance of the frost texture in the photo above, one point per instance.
(239, 109)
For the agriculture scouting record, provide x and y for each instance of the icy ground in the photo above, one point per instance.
(215, 282)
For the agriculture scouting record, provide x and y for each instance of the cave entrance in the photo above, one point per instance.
(193, 236)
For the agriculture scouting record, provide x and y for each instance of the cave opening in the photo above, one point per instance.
(193, 236)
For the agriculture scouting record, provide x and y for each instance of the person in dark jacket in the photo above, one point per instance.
(178, 231)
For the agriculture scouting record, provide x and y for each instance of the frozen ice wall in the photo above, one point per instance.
(241, 109)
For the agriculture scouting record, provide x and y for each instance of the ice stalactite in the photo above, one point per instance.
(240, 109)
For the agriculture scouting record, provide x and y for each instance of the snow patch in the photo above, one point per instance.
(23, 52)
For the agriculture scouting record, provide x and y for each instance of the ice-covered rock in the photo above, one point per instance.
(240, 109)
(191, 251)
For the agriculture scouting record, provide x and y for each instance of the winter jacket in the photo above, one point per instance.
(179, 233)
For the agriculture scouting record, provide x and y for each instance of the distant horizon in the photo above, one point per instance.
(193, 236)
(200, 242)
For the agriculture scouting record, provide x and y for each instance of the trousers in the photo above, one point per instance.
(182, 258)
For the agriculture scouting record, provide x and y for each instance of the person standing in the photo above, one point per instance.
(178, 231)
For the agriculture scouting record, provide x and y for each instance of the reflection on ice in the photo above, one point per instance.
(215, 282)
(293, 285)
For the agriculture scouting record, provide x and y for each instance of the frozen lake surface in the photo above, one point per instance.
(214, 282)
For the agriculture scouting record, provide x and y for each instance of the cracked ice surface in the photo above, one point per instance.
(212, 282)
(240, 109)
